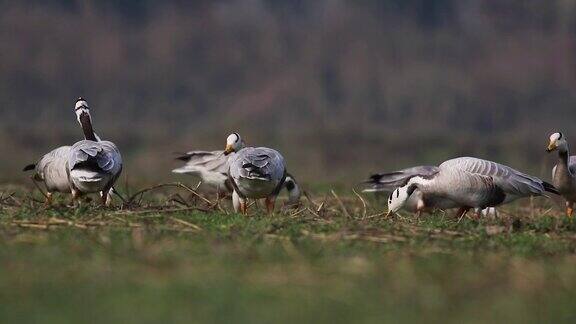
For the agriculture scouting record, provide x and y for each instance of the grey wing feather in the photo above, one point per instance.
(392, 180)
(104, 154)
(214, 161)
(56, 156)
(510, 180)
(572, 164)
(258, 162)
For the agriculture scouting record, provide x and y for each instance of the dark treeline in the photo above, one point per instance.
(342, 87)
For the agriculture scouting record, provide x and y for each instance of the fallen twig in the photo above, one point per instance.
(183, 222)
(363, 203)
(344, 210)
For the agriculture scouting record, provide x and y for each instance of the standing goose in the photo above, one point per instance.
(212, 169)
(255, 173)
(93, 165)
(564, 172)
(511, 183)
(51, 170)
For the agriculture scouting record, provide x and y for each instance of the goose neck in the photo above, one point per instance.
(86, 123)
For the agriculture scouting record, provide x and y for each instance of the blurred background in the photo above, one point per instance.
(341, 87)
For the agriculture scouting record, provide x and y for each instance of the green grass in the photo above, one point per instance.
(192, 266)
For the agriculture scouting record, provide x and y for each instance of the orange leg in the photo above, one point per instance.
(48, 199)
(76, 198)
(270, 204)
(569, 208)
(105, 197)
(243, 207)
(420, 206)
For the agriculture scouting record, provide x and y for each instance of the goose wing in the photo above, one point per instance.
(512, 181)
(257, 163)
(392, 180)
(213, 161)
(467, 188)
(51, 162)
(572, 164)
(103, 156)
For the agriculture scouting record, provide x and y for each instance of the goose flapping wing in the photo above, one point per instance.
(512, 181)
(392, 180)
(257, 163)
(196, 161)
(104, 156)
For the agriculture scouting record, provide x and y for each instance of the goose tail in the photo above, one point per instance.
(550, 188)
(29, 167)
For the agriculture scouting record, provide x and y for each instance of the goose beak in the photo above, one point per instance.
(551, 147)
(229, 149)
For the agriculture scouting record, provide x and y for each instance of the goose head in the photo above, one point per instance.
(82, 111)
(557, 142)
(399, 197)
(234, 143)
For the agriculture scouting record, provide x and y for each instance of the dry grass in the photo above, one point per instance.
(172, 254)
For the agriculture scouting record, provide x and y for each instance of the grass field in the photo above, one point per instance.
(174, 258)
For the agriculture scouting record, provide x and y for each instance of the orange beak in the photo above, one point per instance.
(229, 149)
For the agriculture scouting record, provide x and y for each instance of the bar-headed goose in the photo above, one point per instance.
(255, 173)
(417, 202)
(469, 183)
(211, 167)
(564, 172)
(93, 165)
(51, 170)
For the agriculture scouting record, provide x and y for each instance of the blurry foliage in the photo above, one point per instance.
(341, 87)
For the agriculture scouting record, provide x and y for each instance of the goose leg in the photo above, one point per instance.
(239, 203)
(420, 205)
(48, 198)
(270, 204)
(106, 198)
(477, 213)
(75, 198)
(569, 208)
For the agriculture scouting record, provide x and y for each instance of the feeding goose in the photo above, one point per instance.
(470, 183)
(92, 165)
(255, 173)
(564, 172)
(417, 202)
(212, 169)
(51, 170)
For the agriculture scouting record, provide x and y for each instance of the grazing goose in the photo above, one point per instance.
(51, 170)
(451, 186)
(417, 202)
(255, 173)
(564, 172)
(388, 182)
(92, 165)
(511, 183)
(212, 169)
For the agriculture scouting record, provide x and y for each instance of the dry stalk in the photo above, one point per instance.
(185, 223)
(363, 203)
(344, 210)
